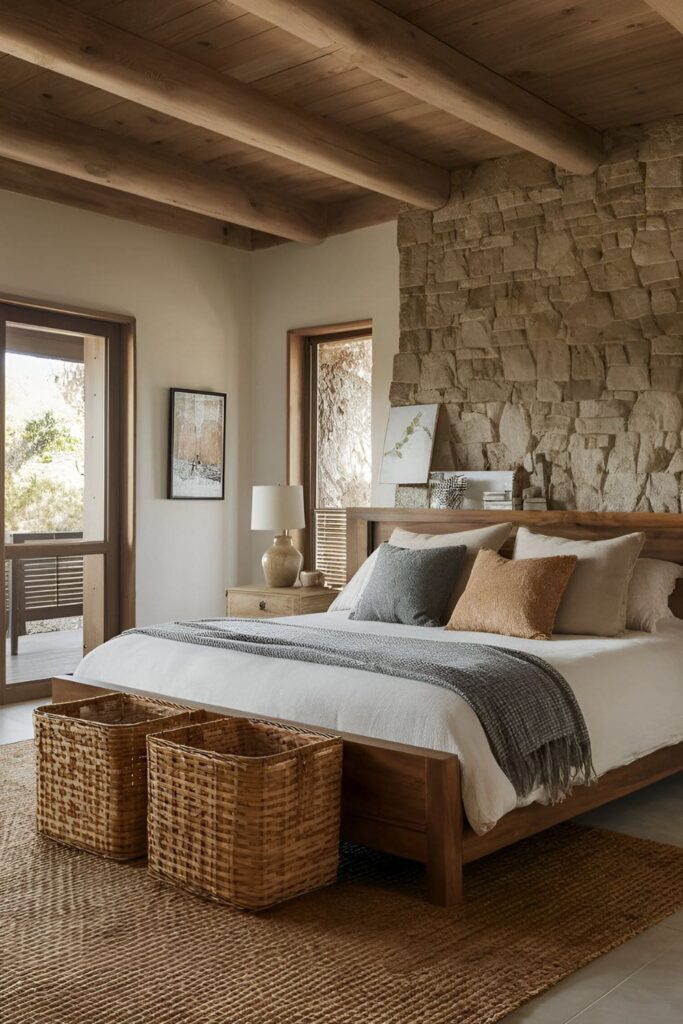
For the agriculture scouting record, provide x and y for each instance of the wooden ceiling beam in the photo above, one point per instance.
(59, 38)
(363, 212)
(341, 216)
(92, 155)
(86, 195)
(398, 52)
(670, 10)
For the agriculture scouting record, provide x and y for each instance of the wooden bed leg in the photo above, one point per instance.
(444, 816)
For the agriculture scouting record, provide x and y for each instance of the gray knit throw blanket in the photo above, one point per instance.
(529, 713)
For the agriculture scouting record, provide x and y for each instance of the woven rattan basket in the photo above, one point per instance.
(91, 770)
(244, 811)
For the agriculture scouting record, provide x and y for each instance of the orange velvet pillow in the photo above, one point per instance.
(513, 598)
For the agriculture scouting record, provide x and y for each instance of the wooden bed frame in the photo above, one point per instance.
(406, 800)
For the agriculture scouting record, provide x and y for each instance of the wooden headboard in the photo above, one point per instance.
(369, 527)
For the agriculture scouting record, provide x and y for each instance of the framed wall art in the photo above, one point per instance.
(196, 447)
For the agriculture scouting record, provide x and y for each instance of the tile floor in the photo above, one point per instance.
(641, 982)
(15, 720)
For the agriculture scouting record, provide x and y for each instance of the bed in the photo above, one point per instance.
(416, 756)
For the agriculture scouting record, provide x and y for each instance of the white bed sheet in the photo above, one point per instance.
(630, 689)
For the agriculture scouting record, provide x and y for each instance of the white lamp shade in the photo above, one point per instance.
(277, 507)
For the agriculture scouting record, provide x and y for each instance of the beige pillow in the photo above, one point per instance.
(513, 598)
(492, 537)
(594, 603)
(652, 584)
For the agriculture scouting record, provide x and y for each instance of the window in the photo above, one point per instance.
(330, 436)
(343, 403)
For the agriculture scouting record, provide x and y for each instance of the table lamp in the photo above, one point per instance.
(279, 507)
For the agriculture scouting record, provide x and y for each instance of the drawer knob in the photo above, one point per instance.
(262, 605)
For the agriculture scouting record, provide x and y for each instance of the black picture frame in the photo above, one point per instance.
(181, 481)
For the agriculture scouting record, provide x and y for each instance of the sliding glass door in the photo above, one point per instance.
(67, 465)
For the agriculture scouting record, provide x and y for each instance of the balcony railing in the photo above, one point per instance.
(42, 588)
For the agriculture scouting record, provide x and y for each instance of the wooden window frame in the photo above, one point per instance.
(117, 545)
(302, 447)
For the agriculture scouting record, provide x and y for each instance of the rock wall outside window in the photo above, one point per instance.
(545, 311)
(344, 388)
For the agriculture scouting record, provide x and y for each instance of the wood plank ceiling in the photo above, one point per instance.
(601, 63)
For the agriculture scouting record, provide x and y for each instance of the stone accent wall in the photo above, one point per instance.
(545, 311)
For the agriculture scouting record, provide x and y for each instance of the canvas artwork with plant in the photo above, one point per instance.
(414, 425)
(408, 444)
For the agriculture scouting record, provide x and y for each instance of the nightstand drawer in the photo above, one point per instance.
(258, 602)
(259, 606)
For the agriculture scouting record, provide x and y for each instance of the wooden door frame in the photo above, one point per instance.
(302, 443)
(117, 545)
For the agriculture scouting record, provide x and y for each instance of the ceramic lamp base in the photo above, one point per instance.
(282, 562)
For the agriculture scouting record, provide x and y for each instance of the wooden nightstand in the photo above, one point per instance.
(257, 601)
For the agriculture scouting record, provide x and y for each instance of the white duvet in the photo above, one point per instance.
(630, 689)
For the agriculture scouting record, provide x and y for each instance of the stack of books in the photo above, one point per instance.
(500, 500)
(535, 504)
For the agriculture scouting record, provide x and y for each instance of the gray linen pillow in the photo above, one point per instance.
(411, 586)
(594, 603)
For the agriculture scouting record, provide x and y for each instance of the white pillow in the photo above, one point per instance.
(347, 598)
(652, 584)
(492, 537)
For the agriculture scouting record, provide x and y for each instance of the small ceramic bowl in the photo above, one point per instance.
(312, 578)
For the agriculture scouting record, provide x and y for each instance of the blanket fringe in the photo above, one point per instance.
(556, 766)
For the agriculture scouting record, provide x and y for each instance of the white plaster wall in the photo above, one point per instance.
(348, 277)
(191, 302)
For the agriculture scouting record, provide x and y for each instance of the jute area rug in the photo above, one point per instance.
(86, 941)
